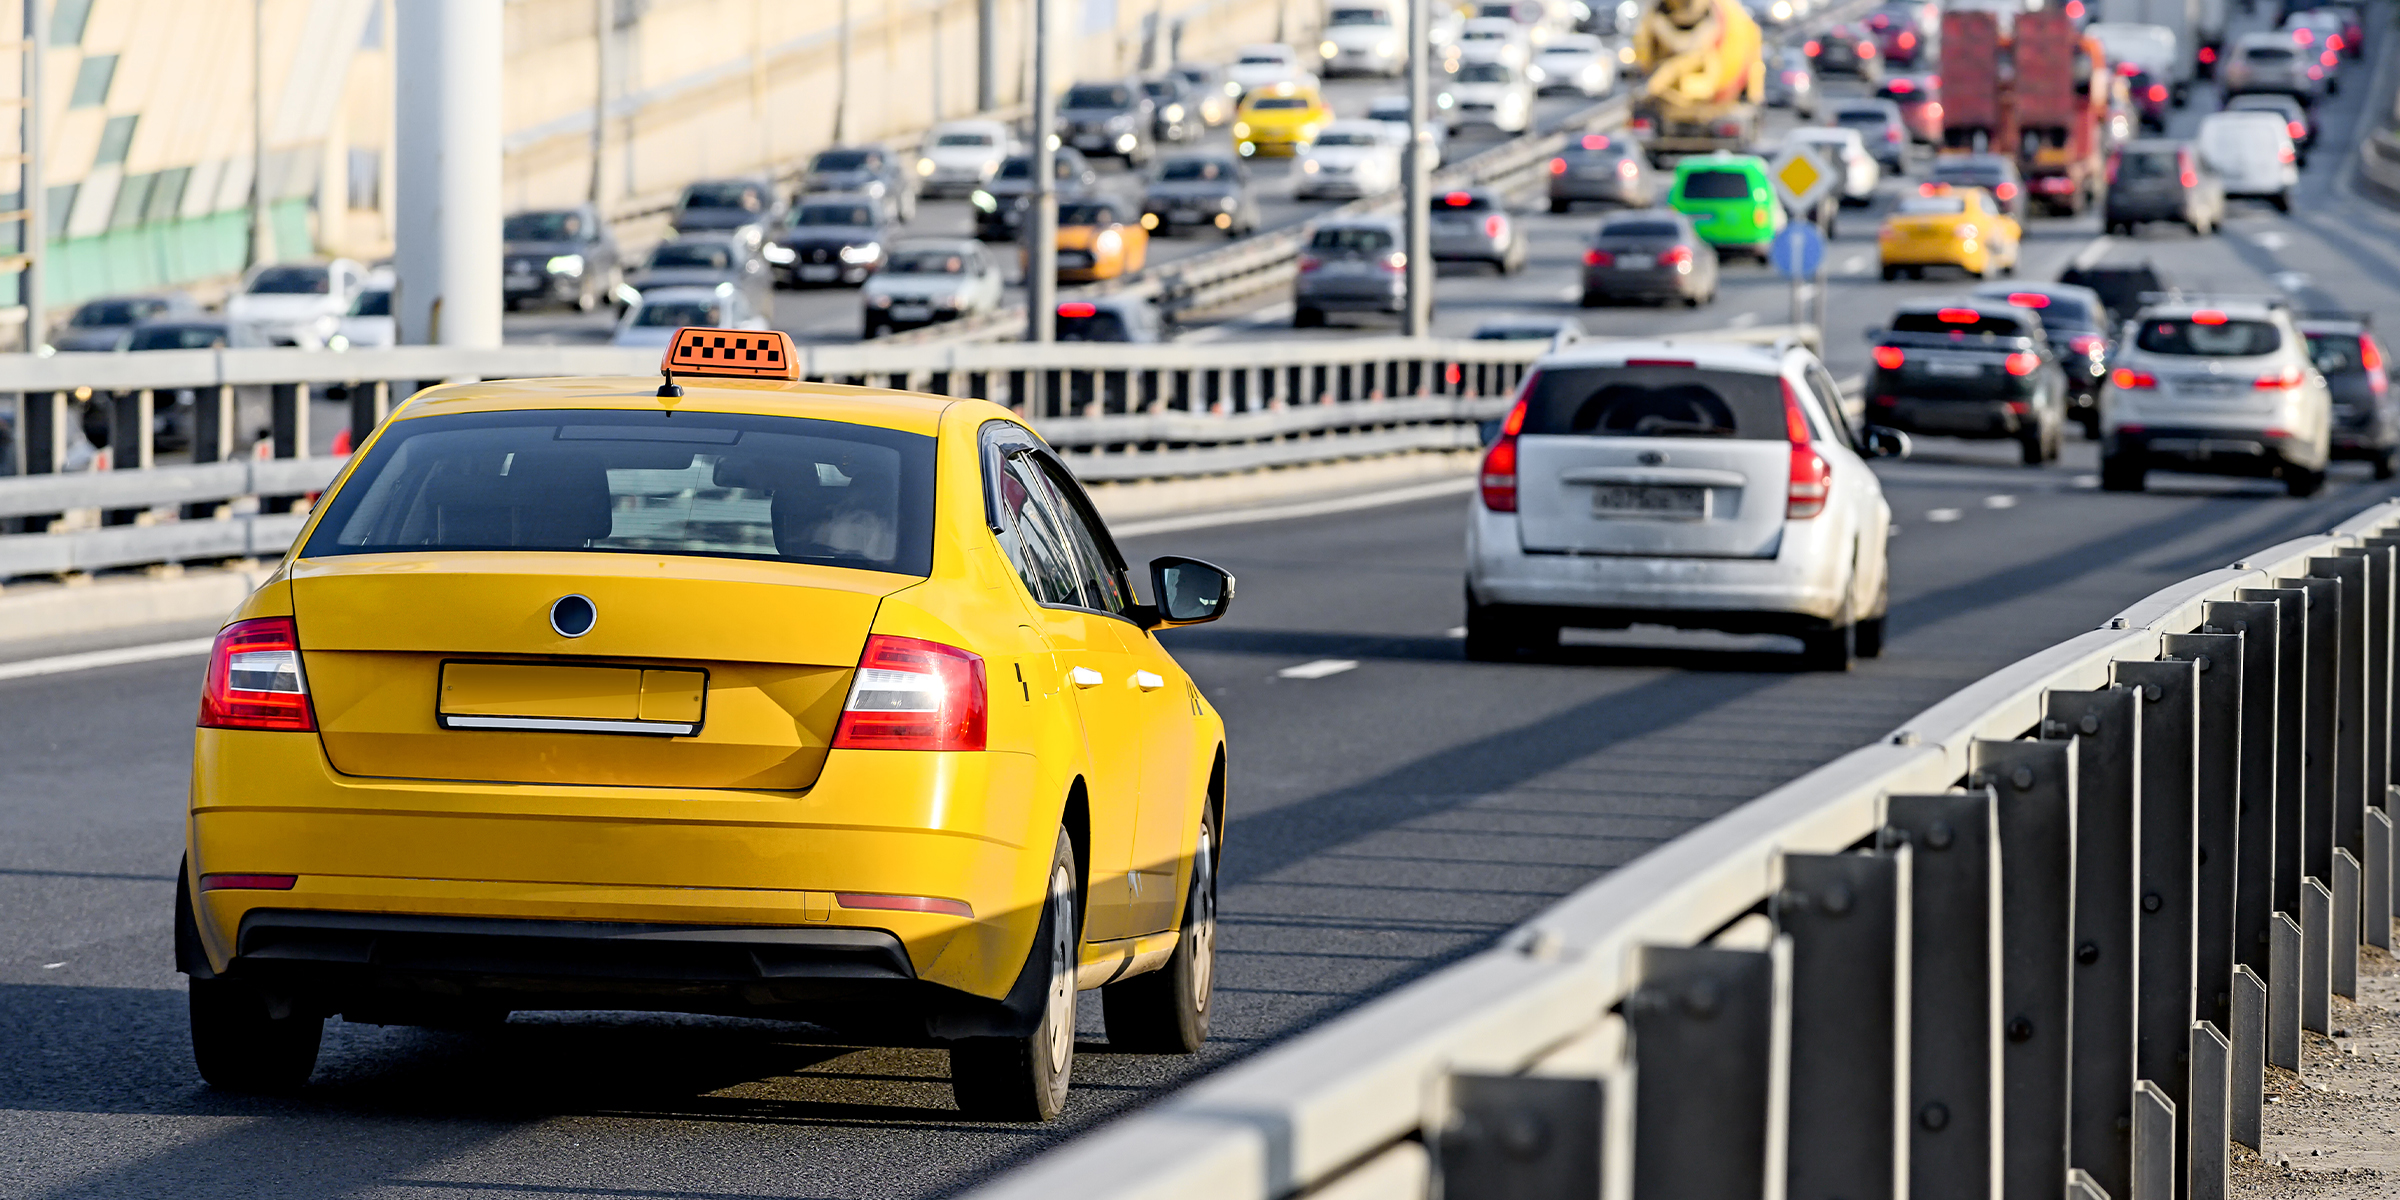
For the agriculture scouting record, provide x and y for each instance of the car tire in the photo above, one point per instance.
(2282, 201)
(1558, 206)
(1492, 634)
(1590, 299)
(1026, 1078)
(2387, 464)
(1307, 318)
(1167, 1010)
(1890, 274)
(2091, 424)
(2122, 473)
(1834, 649)
(2301, 484)
(241, 1045)
(2033, 448)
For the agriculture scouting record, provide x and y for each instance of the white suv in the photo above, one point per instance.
(2222, 387)
(1691, 484)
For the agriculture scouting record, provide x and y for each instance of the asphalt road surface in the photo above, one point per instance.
(1387, 816)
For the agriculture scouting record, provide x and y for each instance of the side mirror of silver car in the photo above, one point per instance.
(1887, 443)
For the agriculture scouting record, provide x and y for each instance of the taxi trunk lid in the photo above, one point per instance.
(694, 672)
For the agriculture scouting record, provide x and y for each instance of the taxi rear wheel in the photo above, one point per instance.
(1167, 1010)
(1025, 1078)
(241, 1045)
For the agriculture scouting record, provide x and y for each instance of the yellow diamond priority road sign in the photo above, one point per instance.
(1801, 178)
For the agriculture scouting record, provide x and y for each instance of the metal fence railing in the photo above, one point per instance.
(2042, 940)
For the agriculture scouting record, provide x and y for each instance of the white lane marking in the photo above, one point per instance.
(2270, 240)
(2293, 281)
(1455, 631)
(1742, 320)
(1285, 512)
(2093, 251)
(1318, 669)
(2087, 481)
(63, 663)
(52, 966)
(1999, 501)
(1570, 293)
(1942, 516)
(1854, 264)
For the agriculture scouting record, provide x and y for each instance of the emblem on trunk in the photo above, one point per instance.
(1652, 458)
(573, 616)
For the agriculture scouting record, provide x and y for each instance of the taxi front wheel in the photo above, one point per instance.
(242, 1045)
(1166, 1011)
(1025, 1078)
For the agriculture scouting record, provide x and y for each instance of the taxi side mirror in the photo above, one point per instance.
(1886, 443)
(1187, 591)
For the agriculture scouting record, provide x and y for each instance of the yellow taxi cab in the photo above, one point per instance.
(736, 695)
(1279, 121)
(1946, 226)
(1095, 241)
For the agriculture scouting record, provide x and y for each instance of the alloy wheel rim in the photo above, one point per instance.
(1204, 922)
(1059, 1017)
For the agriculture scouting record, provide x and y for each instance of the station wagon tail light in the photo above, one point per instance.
(2289, 377)
(2128, 379)
(1499, 475)
(911, 694)
(1890, 357)
(1599, 258)
(2023, 362)
(1812, 476)
(254, 679)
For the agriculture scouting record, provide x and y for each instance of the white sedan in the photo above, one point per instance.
(662, 310)
(1575, 62)
(1494, 39)
(1487, 93)
(1266, 65)
(1350, 158)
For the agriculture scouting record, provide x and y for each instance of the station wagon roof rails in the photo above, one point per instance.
(2181, 296)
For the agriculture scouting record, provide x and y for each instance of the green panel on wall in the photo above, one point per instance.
(162, 254)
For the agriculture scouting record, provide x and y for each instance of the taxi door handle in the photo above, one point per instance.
(1086, 677)
(1148, 681)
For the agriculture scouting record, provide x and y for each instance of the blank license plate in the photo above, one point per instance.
(817, 272)
(1637, 262)
(1963, 370)
(911, 312)
(1639, 500)
(1185, 216)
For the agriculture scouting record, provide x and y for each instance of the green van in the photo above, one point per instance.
(1730, 201)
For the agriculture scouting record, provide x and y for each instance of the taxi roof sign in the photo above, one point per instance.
(732, 354)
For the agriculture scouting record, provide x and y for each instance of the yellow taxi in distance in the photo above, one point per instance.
(1946, 226)
(751, 697)
(1096, 241)
(1279, 121)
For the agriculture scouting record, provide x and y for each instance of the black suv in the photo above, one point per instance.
(2366, 414)
(2076, 322)
(1980, 369)
(1115, 118)
(2121, 285)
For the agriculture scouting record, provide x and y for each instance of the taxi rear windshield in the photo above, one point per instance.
(2224, 339)
(718, 485)
(1669, 401)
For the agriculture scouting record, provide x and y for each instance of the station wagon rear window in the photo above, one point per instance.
(2220, 339)
(1656, 401)
(724, 485)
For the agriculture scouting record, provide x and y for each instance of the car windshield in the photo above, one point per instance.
(2149, 164)
(1016, 168)
(1160, 89)
(1283, 102)
(691, 256)
(2260, 102)
(1359, 16)
(105, 313)
(304, 281)
(2265, 54)
(1195, 170)
(963, 138)
(373, 303)
(2208, 338)
(1261, 59)
(1486, 72)
(1102, 326)
(1716, 185)
(1640, 229)
(1486, 34)
(1927, 206)
(834, 214)
(1099, 95)
(723, 195)
(2334, 353)
(1351, 241)
(1349, 138)
(542, 227)
(1656, 401)
(1086, 214)
(926, 262)
(727, 485)
(1578, 45)
(177, 337)
(840, 160)
(675, 314)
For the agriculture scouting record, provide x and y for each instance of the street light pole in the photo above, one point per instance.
(1416, 218)
(603, 23)
(35, 197)
(1040, 229)
(262, 234)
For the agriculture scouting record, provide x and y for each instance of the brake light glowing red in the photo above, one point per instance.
(2087, 344)
(254, 679)
(2294, 128)
(1558, 166)
(1310, 262)
(1900, 87)
(248, 883)
(2289, 377)
(2074, 10)
(2128, 379)
(1960, 316)
(2189, 178)
(1499, 475)
(1078, 308)
(1890, 357)
(1811, 48)
(2208, 316)
(2023, 362)
(2329, 58)
(911, 694)
(1595, 141)
(1679, 258)
(1599, 258)
(2304, 35)
(2333, 41)
(1458, 199)
(1812, 476)
(1866, 49)
(1908, 40)
(1891, 135)
(1495, 225)
(2006, 191)
(2029, 299)
(2370, 355)
(2208, 54)
(2158, 93)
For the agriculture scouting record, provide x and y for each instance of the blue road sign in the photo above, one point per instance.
(1798, 251)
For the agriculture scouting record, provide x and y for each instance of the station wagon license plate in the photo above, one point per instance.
(1647, 500)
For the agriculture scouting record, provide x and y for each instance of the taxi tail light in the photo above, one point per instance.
(1599, 258)
(911, 694)
(2023, 362)
(2128, 379)
(254, 679)
(1499, 476)
(2289, 377)
(1812, 476)
(887, 903)
(1890, 357)
(248, 883)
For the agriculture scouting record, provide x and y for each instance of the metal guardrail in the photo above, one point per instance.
(2050, 932)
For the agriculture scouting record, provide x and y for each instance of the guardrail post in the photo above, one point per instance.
(1709, 1049)
(1504, 1137)
(2154, 1159)
(2204, 1158)
(2167, 868)
(2350, 701)
(2291, 747)
(2318, 733)
(2216, 823)
(2283, 994)
(2256, 623)
(2247, 1079)
(1953, 1105)
(2378, 623)
(2038, 793)
(2376, 881)
(2105, 726)
(213, 423)
(42, 424)
(2342, 928)
(2316, 956)
(1847, 917)
(2081, 1186)
(288, 425)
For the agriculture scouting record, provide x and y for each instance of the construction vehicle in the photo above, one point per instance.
(1704, 77)
(2035, 89)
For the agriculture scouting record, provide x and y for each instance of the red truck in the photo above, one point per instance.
(2036, 90)
(1976, 114)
